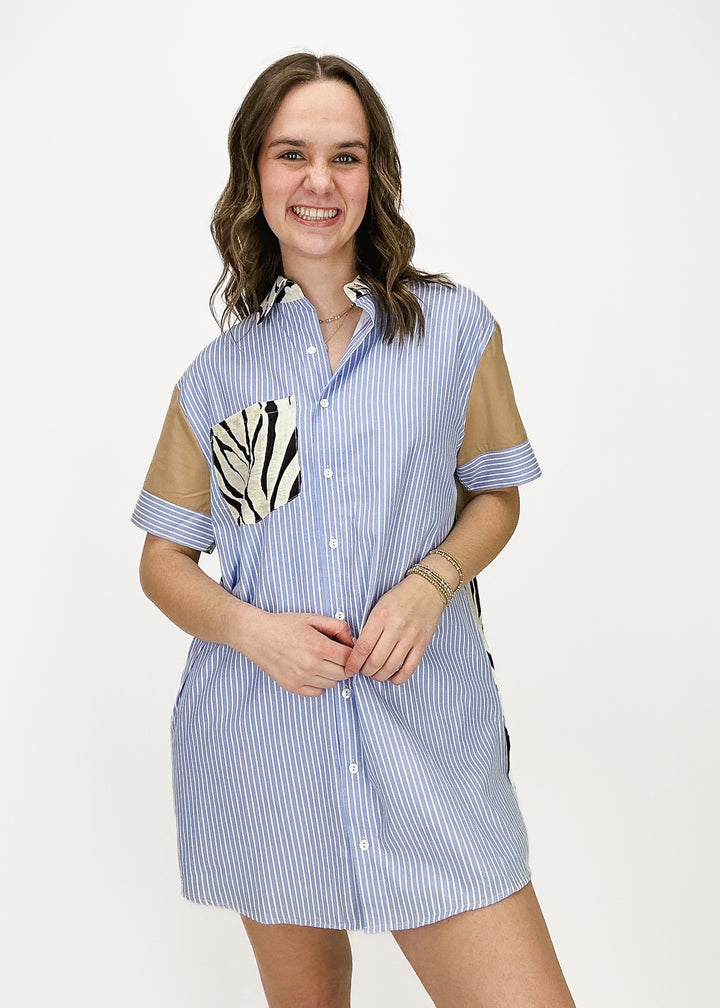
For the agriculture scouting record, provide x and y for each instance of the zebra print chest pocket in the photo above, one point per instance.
(255, 458)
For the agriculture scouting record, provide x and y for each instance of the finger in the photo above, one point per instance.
(327, 648)
(330, 672)
(335, 628)
(394, 661)
(408, 667)
(379, 655)
(343, 634)
(325, 676)
(322, 682)
(336, 653)
(363, 648)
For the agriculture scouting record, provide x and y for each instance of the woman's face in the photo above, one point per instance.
(314, 175)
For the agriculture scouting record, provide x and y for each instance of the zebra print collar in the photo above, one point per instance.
(287, 290)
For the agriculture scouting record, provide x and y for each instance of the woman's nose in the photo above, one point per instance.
(319, 178)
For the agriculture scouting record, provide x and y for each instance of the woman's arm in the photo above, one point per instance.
(304, 652)
(171, 578)
(482, 529)
(404, 619)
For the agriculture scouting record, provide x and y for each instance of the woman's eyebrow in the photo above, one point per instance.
(290, 142)
(286, 142)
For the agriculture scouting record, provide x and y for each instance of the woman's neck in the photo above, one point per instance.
(322, 283)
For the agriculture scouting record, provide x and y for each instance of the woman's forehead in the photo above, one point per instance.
(321, 109)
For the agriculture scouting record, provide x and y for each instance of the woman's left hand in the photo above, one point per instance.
(397, 631)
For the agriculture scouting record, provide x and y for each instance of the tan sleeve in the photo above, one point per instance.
(492, 420)
(178, 472)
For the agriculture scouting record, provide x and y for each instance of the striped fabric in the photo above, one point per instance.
(373, 806)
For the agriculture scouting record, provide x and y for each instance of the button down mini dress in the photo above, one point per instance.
(374, 806)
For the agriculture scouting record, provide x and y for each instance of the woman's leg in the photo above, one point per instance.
(500, 956)
(302, 967)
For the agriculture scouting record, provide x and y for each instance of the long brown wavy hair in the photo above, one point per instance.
(385, 242)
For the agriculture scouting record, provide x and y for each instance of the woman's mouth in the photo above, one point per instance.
(306, 213)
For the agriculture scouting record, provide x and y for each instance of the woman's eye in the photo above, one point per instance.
(293, 155)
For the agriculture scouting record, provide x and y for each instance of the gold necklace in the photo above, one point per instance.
(337, 327)
(334, 318)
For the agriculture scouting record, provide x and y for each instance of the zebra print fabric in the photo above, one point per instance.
(284, 290)
(255, 459)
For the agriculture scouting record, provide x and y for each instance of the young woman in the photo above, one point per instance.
(352, 448)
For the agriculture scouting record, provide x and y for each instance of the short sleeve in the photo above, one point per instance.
(175, 499)
(495, 451)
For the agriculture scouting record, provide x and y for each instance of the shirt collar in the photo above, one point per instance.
(287, 290)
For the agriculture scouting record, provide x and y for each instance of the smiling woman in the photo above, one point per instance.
(314, 188)
(340, 754)
(383, 243)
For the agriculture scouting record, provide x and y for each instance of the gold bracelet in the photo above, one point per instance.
(434, 578)
(453, 561)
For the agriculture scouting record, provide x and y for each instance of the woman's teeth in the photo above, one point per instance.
(314, 213)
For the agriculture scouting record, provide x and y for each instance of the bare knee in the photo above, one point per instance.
(302, 967)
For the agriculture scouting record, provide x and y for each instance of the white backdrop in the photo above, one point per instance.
(563, 160)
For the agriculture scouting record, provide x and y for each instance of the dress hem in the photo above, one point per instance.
(402, 924)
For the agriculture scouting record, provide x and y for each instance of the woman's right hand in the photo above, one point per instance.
(304, 652)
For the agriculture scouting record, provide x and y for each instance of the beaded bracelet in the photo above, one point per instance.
(434, 578)
(453, 561)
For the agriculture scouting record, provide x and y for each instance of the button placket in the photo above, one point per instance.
(356, 810)
(356, 814)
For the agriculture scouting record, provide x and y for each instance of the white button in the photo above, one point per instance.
(346, 692)
(364, 844)
(353, 768)
(332, 543)
(339, 614)
(327, 471)
(324, 403)
(312, 349)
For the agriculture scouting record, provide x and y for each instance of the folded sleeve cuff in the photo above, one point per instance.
(173, 522)
(505, 467)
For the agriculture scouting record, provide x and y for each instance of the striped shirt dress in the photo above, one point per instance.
(374, 806)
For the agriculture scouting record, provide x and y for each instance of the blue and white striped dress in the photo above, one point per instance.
(373, 806)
